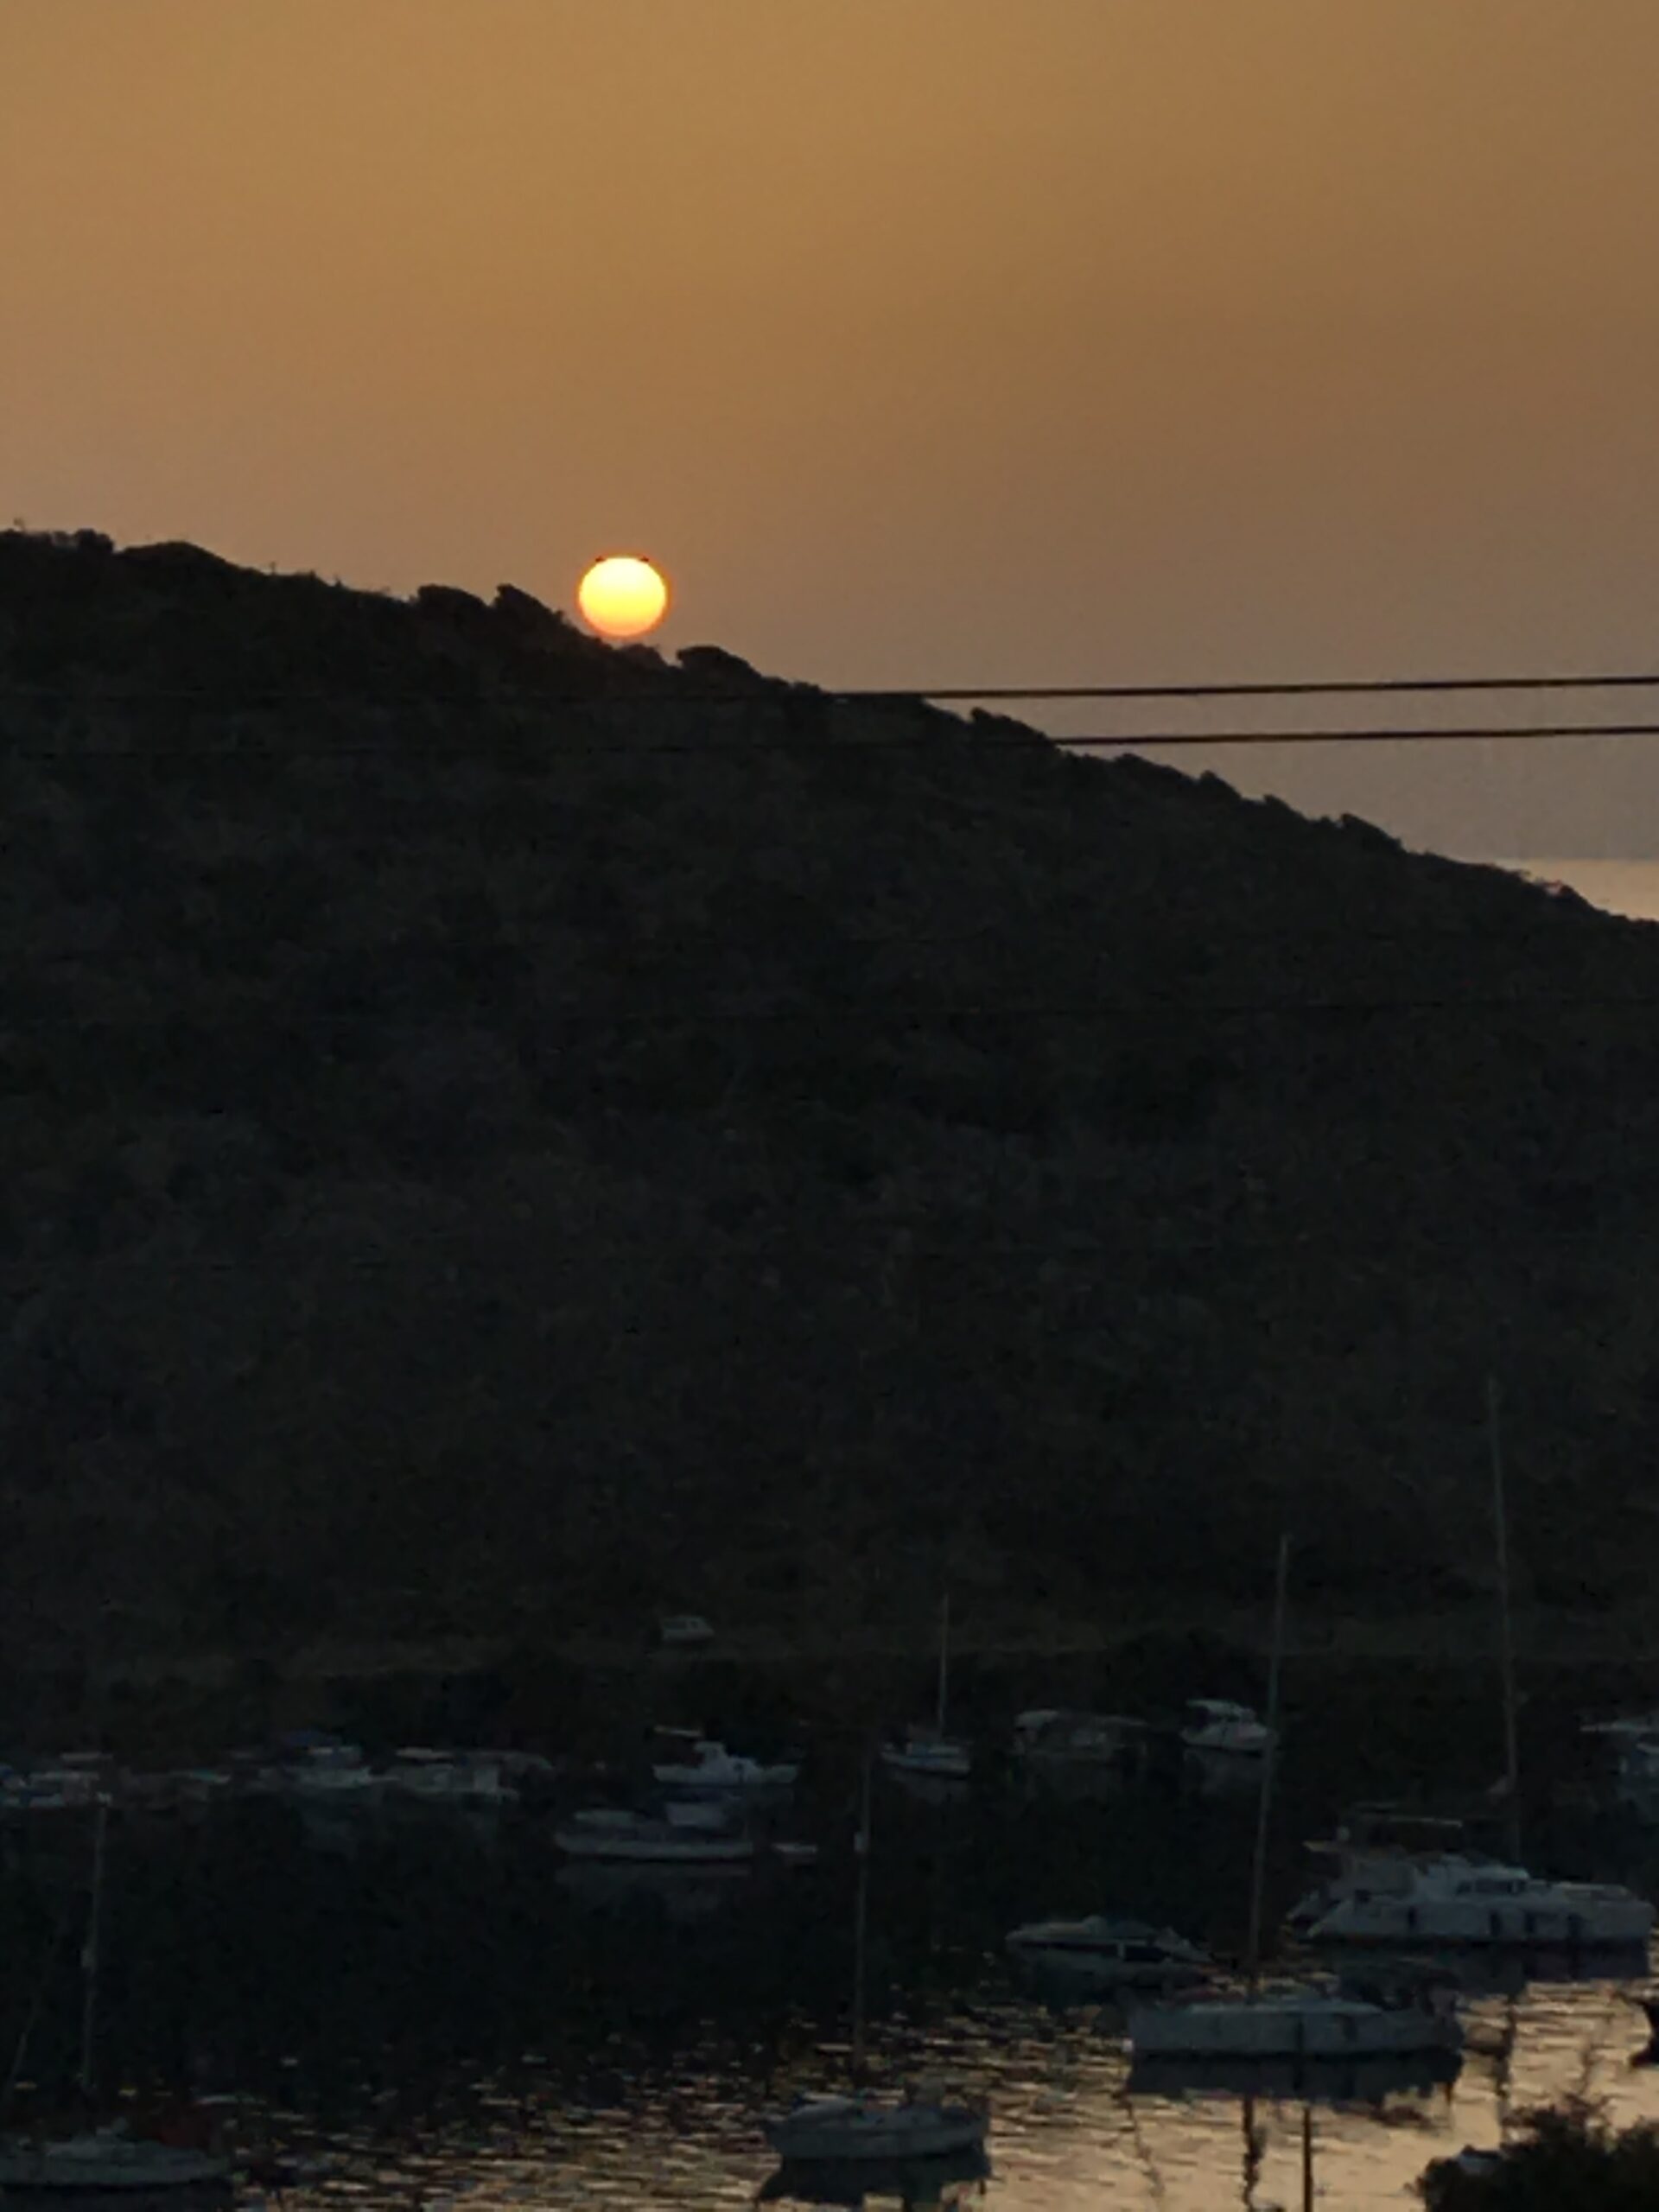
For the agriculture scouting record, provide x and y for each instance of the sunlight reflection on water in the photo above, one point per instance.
(1065, 2133)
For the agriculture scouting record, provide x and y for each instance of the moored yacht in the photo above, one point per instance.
(927, 1749)
(857, 2125)
(1371, 1845)
(1215, 1725)
(703, 1764)
(924, 1751)
(1297, 2020)
(834, 2129)
(671, 1837)
(462, 1780)
(1110, 1951)
(1458, 1898)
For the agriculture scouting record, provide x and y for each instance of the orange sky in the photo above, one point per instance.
(922, 341)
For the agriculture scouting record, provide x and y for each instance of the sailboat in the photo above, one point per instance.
(927, 1749)
(831, 2131)
(1305, 2021)
(1446, 1896)
(105, 2163)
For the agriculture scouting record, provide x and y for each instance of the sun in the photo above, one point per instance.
(622, 596)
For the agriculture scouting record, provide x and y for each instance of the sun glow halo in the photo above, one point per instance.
(622, 596)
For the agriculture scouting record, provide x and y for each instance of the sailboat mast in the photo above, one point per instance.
(89, 1957)
(860, 1919)
(1505, 1625)
(944, 1658)
(1269, 1761)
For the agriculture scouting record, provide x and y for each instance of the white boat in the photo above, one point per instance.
(1216, 1725)
(684, 1631)
(944, 1758)
(1111, 1951)
(833, 2129)
(857, 2125)
(711, 1766)
(108, 2163)
(1458, 1898)
(927, 1749)
(74, 1782)
(1372, 1842)
(1301, 2019)
(1634, 1746)
(465, 1780)
(336, 1773)
(1305, 2021)
(1052, 1736)
(604, 1832)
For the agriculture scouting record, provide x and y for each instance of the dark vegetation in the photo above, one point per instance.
(500, 1134)
(1559, 2160)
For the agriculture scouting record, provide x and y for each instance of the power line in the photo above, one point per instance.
(1300, 687)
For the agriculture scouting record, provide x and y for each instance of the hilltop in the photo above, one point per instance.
(501, 1135)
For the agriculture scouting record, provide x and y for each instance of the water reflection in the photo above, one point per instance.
(951, 2179)
(449, 2013)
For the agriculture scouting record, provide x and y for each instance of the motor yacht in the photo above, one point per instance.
(1110, 1952)
(1215, 1725)
(1458, 1898)
(615, 1833)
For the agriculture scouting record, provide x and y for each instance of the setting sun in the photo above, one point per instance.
(622, 596)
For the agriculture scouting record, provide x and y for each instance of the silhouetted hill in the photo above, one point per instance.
(500, 1131)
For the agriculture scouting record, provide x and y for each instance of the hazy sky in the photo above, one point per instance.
(922, 341)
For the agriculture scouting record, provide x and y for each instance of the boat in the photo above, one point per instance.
(467, 1781)
(1111, 1951)
(1371, 1843)
(859, 2124)
(1301, 2021)
(332, 1772)
(1053, 1736)
(928, 1750)
(1459, 1898)
(711, 1766)
(838, 2130)
(684, 1631)
(614, 1833)
(1635, 1744)
(1214, 1726)
(1296, 2019)
(789, 1851)
(107, 2163)
(943, 2178)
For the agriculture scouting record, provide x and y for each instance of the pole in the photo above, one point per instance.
(89, 1957)
(1505, 1625)
(860, 1919)
(944, 1658)
(1307, 2159)
(1269, 1761)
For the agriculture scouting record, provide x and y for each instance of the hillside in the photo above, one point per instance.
(500, 1133)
